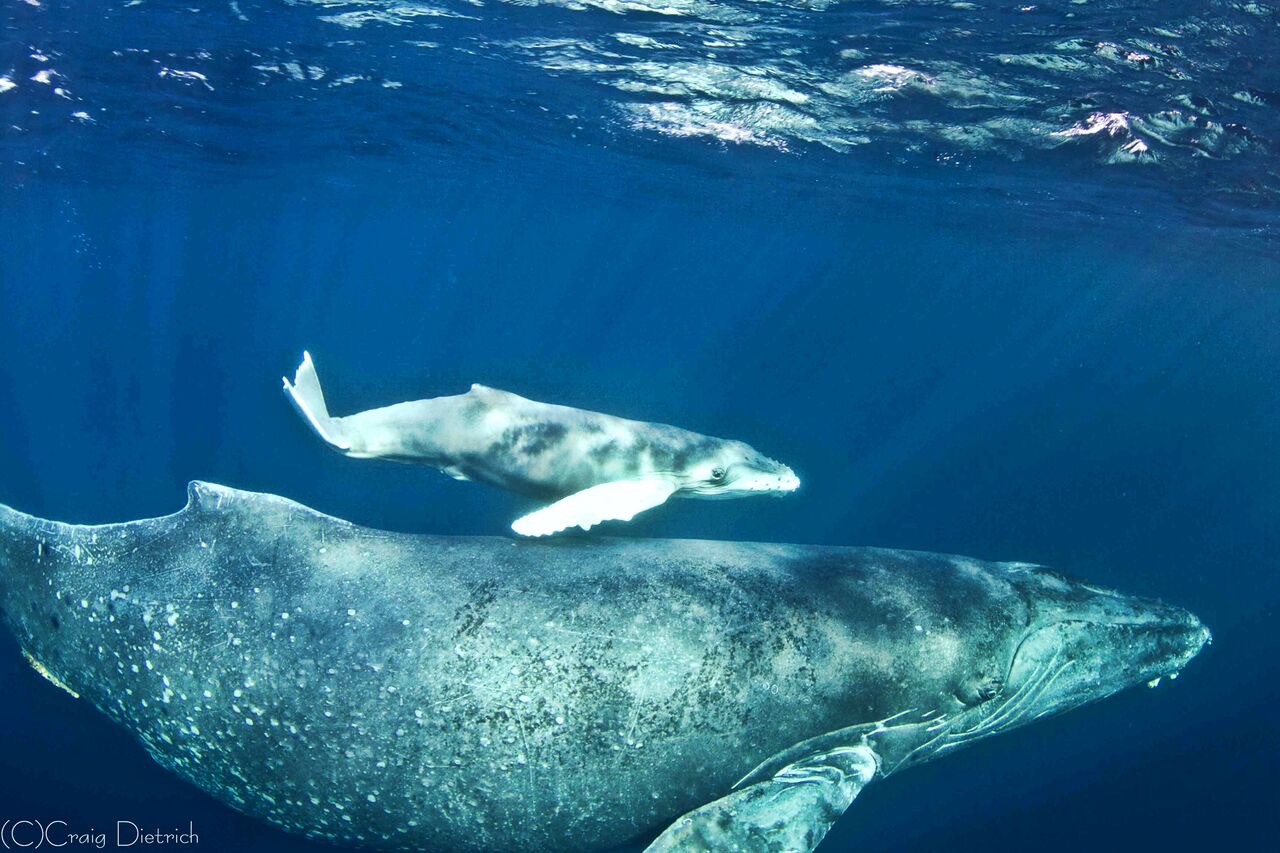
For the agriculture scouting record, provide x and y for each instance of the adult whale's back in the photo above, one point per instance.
(481, 693)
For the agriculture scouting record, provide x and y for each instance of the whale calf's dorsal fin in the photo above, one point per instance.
(494, 395)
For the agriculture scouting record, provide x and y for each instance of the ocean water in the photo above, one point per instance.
(995, 279)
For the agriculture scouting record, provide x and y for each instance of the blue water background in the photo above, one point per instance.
(1063, 362)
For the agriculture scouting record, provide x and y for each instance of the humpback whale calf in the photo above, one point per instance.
(595, 467)
(476, 693)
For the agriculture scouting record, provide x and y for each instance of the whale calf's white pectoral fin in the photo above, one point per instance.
(621, 500)
(790, 811)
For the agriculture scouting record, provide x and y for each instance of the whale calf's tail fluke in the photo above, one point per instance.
(305, 392)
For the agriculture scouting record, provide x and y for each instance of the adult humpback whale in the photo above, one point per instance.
(451, 693)
(596, 467)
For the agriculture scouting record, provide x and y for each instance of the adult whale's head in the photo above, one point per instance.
(473, 693)
(963, 649)
(998, 645)
(1056, 643)
(732, 469)
(1081, 643)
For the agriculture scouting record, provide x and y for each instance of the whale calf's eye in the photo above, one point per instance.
(717, 473)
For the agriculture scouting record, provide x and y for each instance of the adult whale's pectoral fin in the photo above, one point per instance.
(621, 500)
(790, 811)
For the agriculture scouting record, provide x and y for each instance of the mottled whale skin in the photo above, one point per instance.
(449, 693)
(596, 467)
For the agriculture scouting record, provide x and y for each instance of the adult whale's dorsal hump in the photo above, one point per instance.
(489, 694)
(592, 466)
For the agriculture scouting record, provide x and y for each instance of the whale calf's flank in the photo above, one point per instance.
(478, 693)
(593, 466)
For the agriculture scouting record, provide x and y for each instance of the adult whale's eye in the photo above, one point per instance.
(982, 688)
(717, 473)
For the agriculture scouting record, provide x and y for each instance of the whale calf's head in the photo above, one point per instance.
(735, 470)
(1079, 643)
